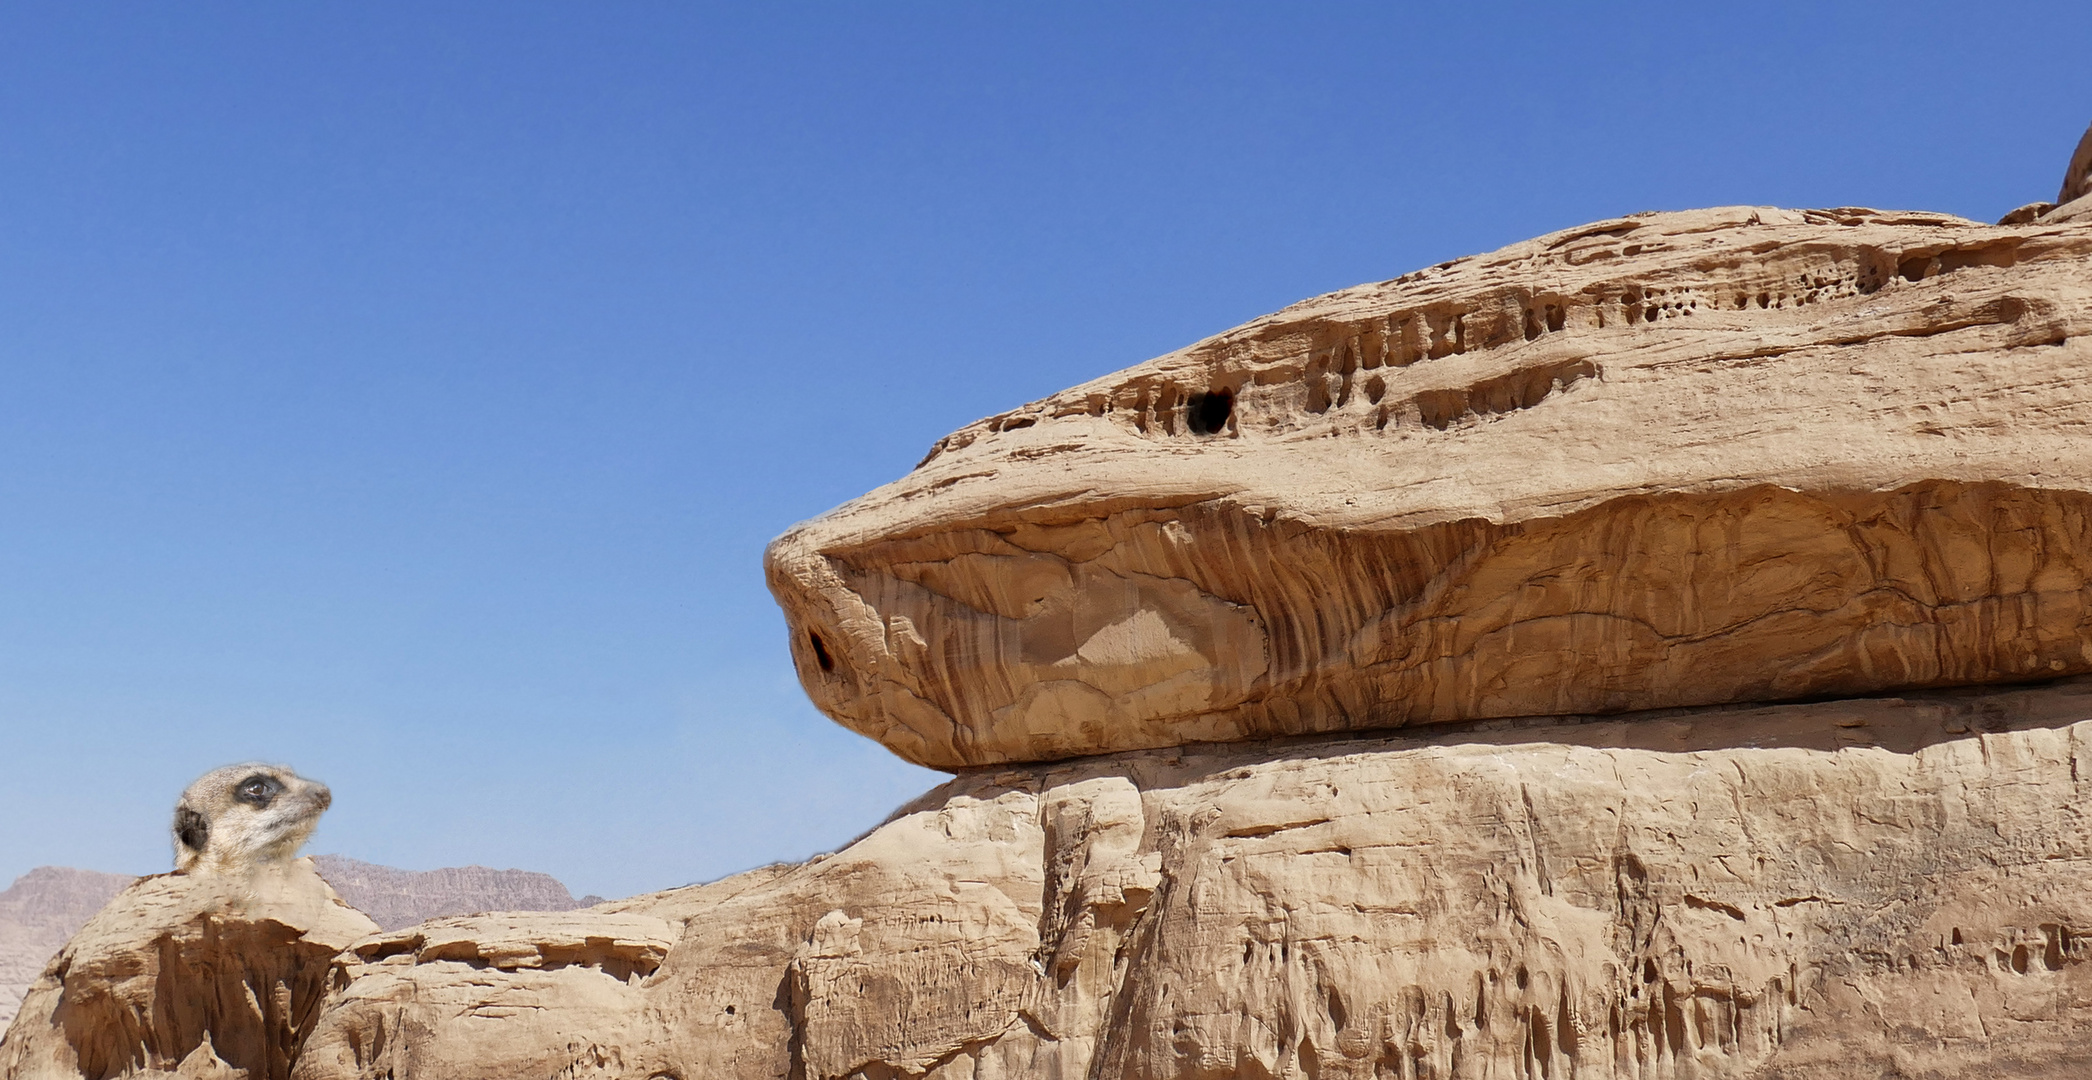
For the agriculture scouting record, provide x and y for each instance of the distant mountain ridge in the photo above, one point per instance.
(394, 898)
(37, 914)
(44, 907)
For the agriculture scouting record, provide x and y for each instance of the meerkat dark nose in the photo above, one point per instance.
(323, 796)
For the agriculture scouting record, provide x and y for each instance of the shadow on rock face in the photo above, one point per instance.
(205, 974)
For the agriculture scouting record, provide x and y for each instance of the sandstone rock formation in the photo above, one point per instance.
(1665, 460)
(2077, 179)
(394, 898)
(1878, 887)
(47, 905)
(197, 976)
(515, 994)
(1577, 517)
(37, 914)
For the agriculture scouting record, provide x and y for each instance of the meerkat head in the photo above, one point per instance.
(245, 816)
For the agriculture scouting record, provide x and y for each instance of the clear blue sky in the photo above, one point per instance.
(406, 391)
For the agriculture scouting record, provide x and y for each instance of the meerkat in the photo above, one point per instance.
(244, 817)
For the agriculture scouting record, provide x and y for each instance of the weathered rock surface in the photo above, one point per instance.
(1582, 507)
(1680, 459)
(47, 905)
(2077, 179)
(197, 976)
(1874, 887)
(527, 994)
(37, 913)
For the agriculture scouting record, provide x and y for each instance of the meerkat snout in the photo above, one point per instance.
(245, 816)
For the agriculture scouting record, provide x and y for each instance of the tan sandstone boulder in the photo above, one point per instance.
(1879, 887)
(195, 976)
(1677, 459)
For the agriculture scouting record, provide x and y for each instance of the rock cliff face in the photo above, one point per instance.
(1878, 887)
(1404, 685)
(186, 975)
(47, 905)
(1674, 459)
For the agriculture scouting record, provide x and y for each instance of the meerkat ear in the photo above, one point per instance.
(191, 828)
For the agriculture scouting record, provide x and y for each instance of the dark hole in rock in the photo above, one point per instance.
(821, 656)
(1209, 412)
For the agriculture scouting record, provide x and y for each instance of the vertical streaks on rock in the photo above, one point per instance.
(1799, 891)
(1719, 456)
(209, 976)
(1208, 623)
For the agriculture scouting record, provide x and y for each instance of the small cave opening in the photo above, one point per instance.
(821, 657)
(1208, 413)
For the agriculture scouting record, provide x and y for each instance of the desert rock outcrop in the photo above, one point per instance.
(2077, 179)
(47, 905)
(194, 975)
(1666, 460)
(1889, 886)
(1658, 650)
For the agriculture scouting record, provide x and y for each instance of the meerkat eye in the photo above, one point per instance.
(258, 790)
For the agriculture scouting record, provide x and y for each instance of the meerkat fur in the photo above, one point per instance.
(245, 817)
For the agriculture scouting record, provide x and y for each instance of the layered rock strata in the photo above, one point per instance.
(46, 906)
(216, 977)
(1666, 460)
(1875, 887)
(1570, 514)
